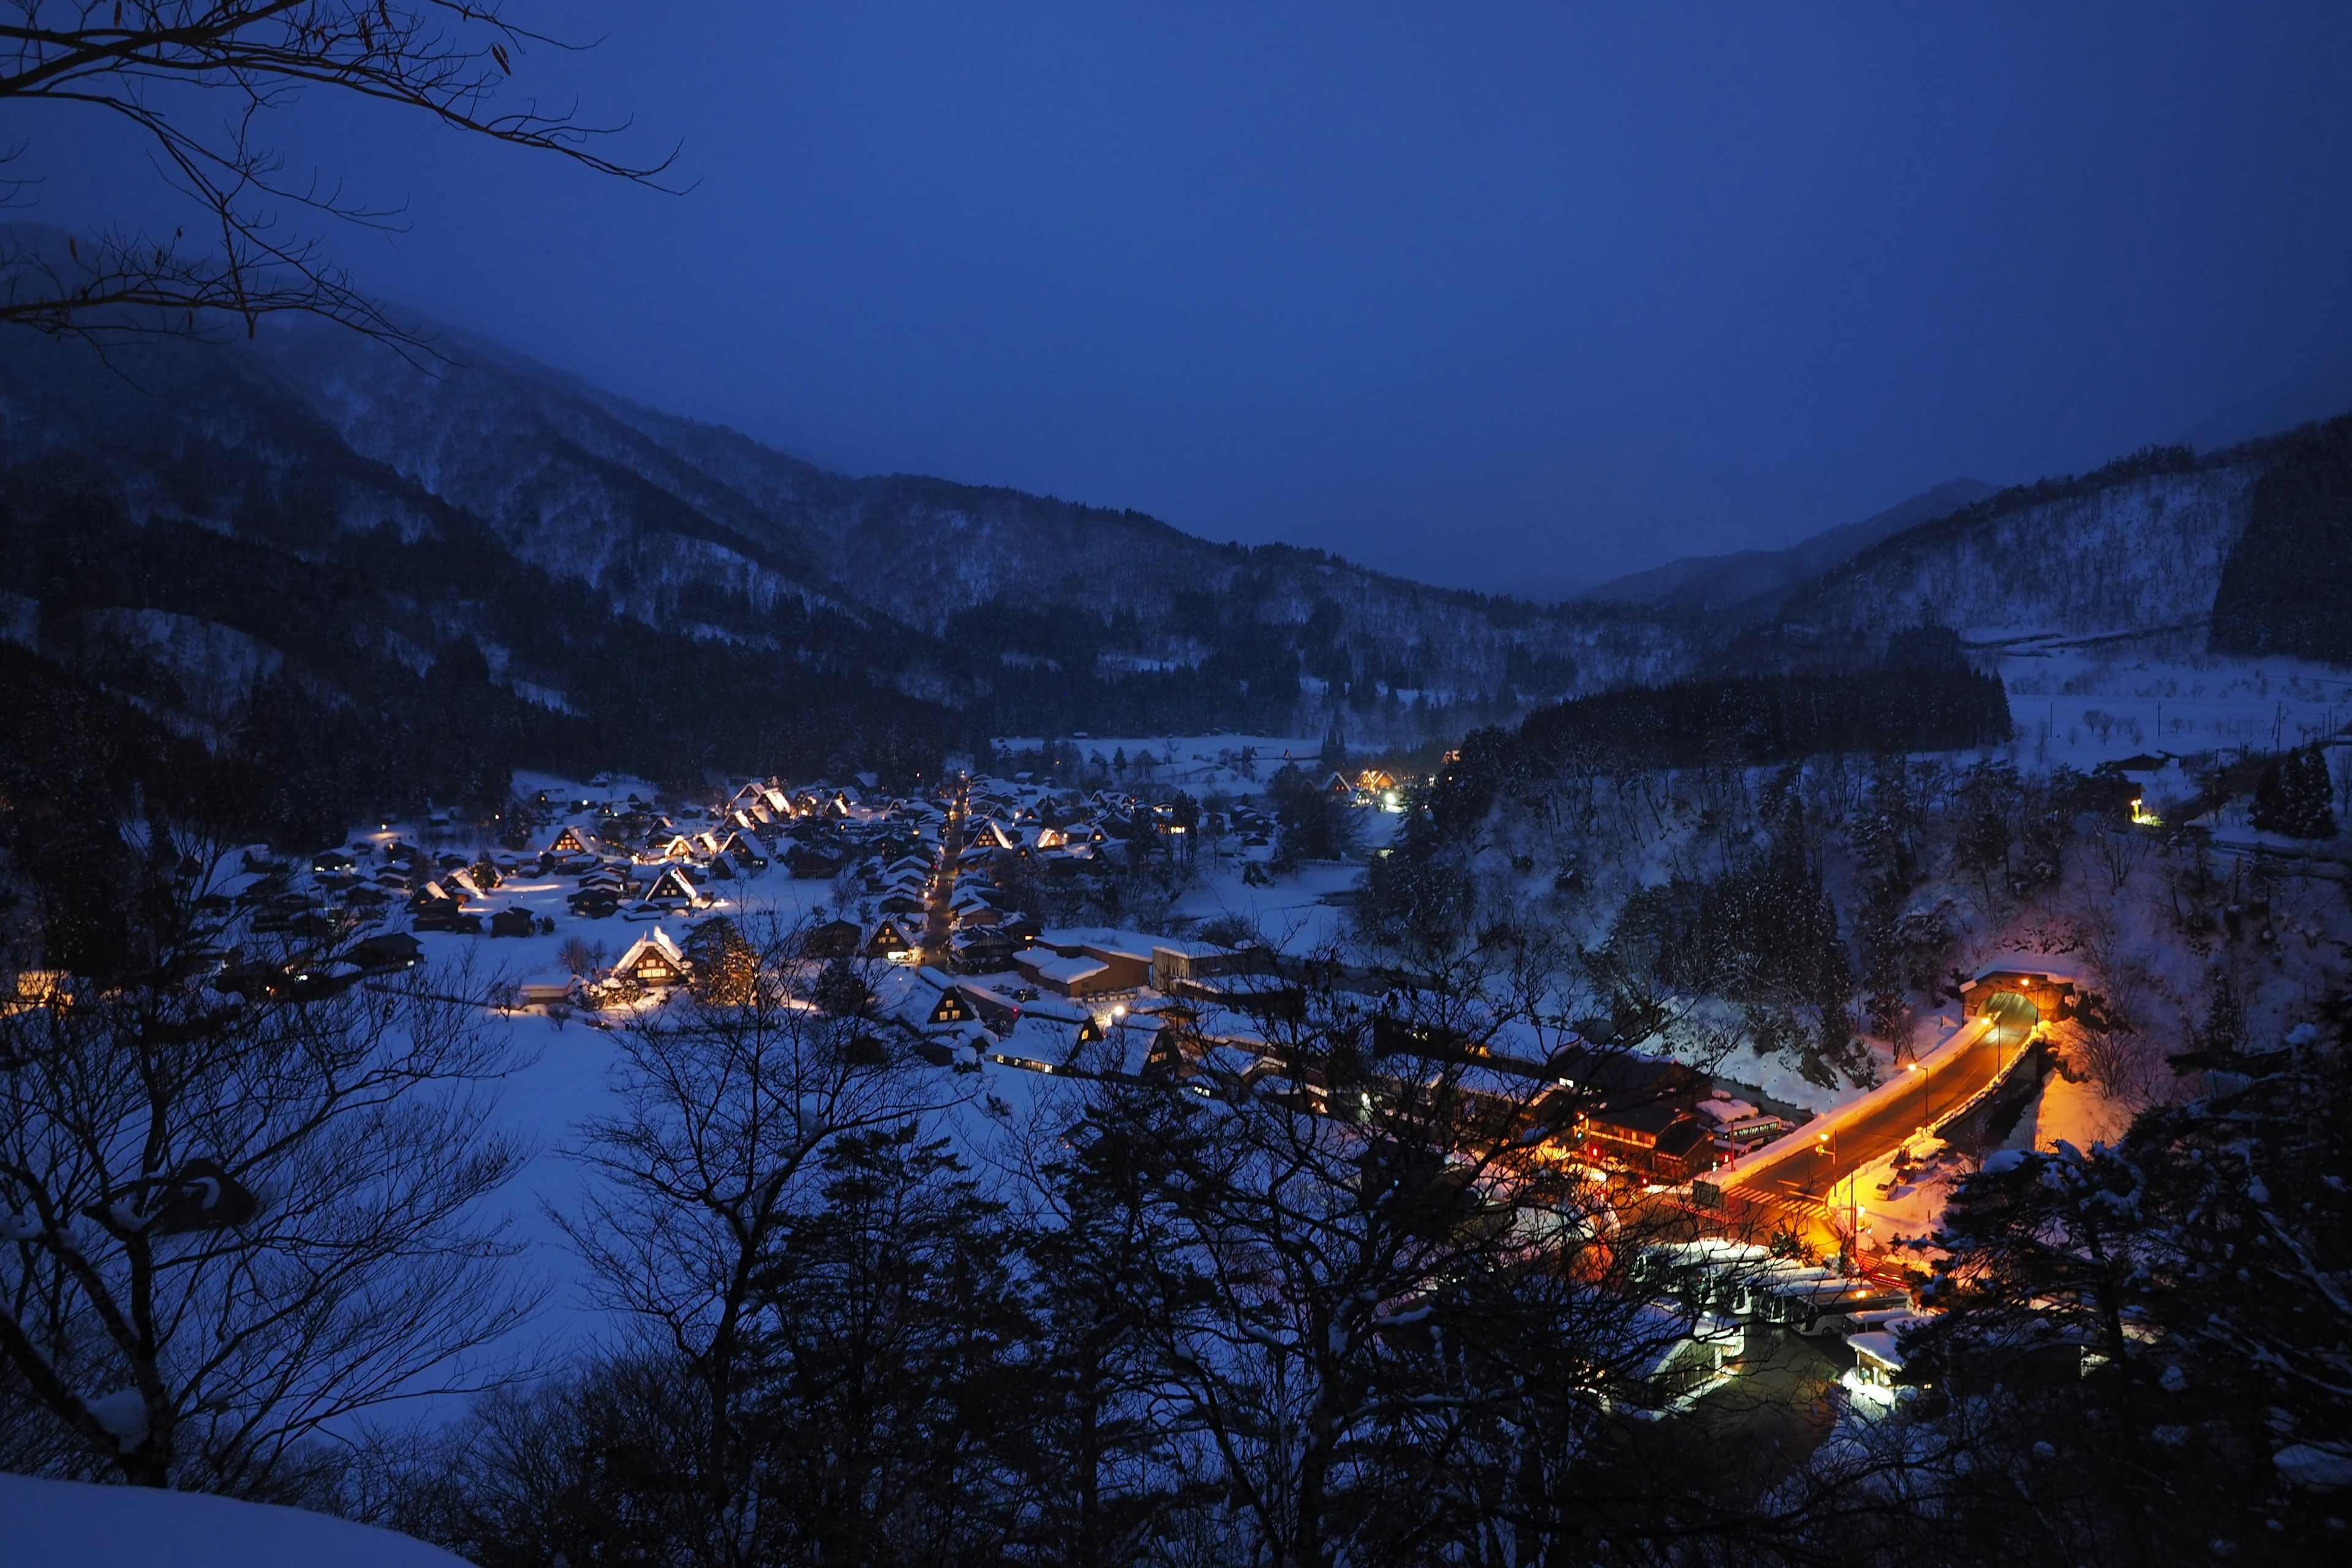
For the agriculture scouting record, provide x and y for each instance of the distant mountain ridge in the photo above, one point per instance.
(244, 544)
(621, 571)
(1752, 580)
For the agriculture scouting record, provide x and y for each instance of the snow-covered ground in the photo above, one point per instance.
(2088, 703)
(74, 1524)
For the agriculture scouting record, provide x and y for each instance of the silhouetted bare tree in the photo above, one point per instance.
(237, 1220)
(200, 80)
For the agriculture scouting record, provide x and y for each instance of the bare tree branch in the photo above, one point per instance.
(164, 67)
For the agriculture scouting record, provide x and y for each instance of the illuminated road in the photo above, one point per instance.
(1805, 1170)
(939, 919)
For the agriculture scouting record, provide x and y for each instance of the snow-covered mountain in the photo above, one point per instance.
(346, 521)
(2136, 548)
(1056, 616)
(592, 485)
(1750, 582)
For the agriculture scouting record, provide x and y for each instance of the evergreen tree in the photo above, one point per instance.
(1989, 796)
(2150, 1338)
(840, 990)
(725, 968)
(2295, 798)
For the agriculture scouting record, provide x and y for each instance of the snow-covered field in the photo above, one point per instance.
(2084, 704)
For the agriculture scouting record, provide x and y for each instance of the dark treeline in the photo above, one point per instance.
(1932, 703)
(375, 694)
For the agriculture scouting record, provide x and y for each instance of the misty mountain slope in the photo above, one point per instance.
(581, 565)
(546, 461)
(193, 432)
(1696, 584)
(660, 511)
(2126, 551)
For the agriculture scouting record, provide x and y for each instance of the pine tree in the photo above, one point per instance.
(2295, 797)
(725, 968)
(2160, 1324)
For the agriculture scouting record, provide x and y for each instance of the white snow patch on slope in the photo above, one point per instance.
(2136, 556)
(61, 1522)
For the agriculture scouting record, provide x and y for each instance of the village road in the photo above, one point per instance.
(938, 918)
(1950, 1082)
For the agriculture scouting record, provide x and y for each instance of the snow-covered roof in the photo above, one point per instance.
(1108, 938)
(1062, 971)
(659, 941)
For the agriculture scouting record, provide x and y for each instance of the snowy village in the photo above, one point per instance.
(1328, 787)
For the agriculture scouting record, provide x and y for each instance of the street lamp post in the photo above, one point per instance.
(1827, 1144)
(1923, 1114)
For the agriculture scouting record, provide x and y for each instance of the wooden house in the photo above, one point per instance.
(510, 923)
(744, 850)
(672, 887)
(951, 1008)
(981, 950)
(386, 953)
(654, 960)
(888, 937)
(812, 864)
(1663, 1140)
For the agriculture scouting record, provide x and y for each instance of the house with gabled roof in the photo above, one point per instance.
(653, 960)
(744, 850)
(672, 887)
(568, 842)
(890, 936)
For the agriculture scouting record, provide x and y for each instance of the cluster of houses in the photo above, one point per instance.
(964, 973)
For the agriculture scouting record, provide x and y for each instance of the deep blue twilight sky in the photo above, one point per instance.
(1509, 296)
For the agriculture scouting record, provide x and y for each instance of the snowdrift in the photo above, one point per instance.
(73, 1524)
